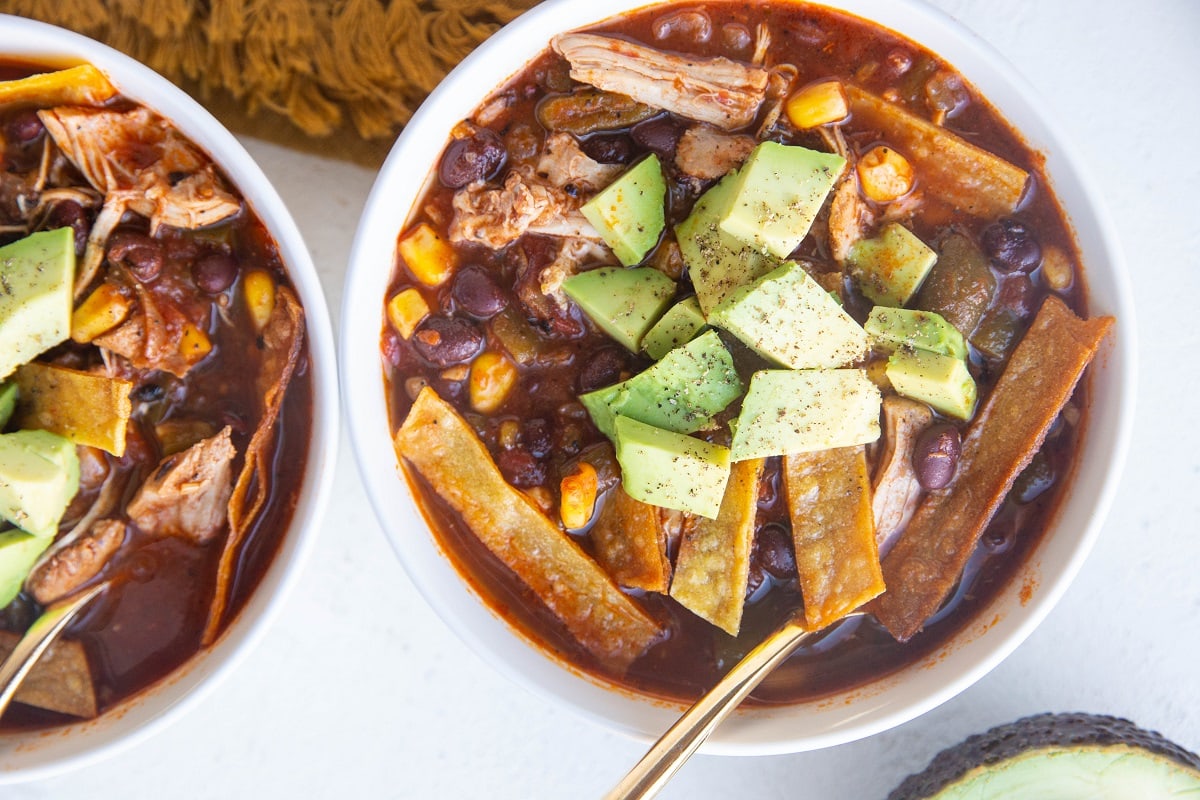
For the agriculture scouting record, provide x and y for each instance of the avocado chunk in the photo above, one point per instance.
(8, 402)
(901, 328)
(799, 411)
(36, 277)
(717, 262)
(777, 194)
(624, 303)
(939, 380)
(39, 475)
(1064, 756)
(890, 268)
(786, 316)
(680, 393)
(682, 322)
(669, 469)
(19, 551)
(630, 212)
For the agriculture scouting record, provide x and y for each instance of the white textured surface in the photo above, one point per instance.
(360, 691)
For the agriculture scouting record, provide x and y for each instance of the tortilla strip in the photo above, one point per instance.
(833, 532)
(86, 408)
(442, 447)
(713, 566)
(282, 338)
(964, 176)
(60, 680)
(83, 85)
(1041, 375)
(630, 543)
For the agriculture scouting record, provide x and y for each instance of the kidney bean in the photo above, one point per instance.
(608, 148)
(477, 294)
(215, 272)
(140, 254)
(70, 214)
(659, 135)
(1011, 246)
(935, 455)
(445, 341)
(773, 547)
(1017, 294)
(24, 127)
(602, 369)
(472, 158)
(520, 468)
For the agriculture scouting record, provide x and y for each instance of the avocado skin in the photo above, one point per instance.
(1007, 741)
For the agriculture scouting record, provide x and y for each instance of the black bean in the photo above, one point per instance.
(1017, 294)
(1011, 246)
(520, 468)
(215, 272)
(659, 135)
(477, 293)
(140, 254)
(70, 214)
(472, 158)
(149, 392)
(24, 127)
(609, 148)
(444, 341)
(773, 547)
(935, 455)
(537, 437)
(602, 368)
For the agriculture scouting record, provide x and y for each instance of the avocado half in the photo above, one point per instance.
(1059, 757)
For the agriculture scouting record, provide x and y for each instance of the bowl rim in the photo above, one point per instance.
(27, 756)
(969, 655)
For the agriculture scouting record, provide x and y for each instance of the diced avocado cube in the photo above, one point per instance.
(39, 475)
(624, 303)
(670, 469)
(786, 316)
(777, 194)
(903, 328)
(682, 322)
(717, 262)
(630, 212)
(941, 381)
(8, 402)
(798, 411)
(891, 267)
(680, 393)
(19, 551)
(37, 274)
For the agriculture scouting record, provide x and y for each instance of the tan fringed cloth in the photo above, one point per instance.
(336, 76)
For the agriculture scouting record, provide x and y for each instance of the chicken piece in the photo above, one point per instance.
(71, 566)
(151, 337)
(188, 493)
(708, 154)
(135, 159)
(849, 217)
(718, 91)
(564, 163)
(896, 490)
(498, 217)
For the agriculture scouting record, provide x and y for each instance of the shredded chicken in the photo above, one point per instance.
(498, 217)
(719, 91)
(778, 83)
(150, 338)
(564, 164)
(896, 490)
(136, 158)
(708, 154)
(849, 217)
(72, 566)
(188, 493)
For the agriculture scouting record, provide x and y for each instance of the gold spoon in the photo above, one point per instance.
(38, 639)
(676, 746)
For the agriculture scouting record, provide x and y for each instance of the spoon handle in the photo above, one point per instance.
(37, 639)
(677, 745)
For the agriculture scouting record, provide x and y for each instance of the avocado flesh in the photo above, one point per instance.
(890, 268)
(669, 469)
(624, 303)
(19, 551)
(8, 402)
(630, 213)
(39, 475)
(682, 323)
(37, 274)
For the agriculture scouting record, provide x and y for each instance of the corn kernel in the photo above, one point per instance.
(492, 377)
(102, 310)
(1057, 268)
(578, 492)
(428, 257)
(818, 104)
(194, 344)
(259, 287)
(406, 310)
(509, 435)
(884, 174)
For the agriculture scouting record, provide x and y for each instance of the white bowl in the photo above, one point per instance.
(888, 702)
(29, 756)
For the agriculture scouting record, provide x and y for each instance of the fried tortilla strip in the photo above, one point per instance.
(83, 85)
(442, 447)
(282, 342)
(959, 173)
(1038, 381)
(60, 680)
(630, 543)
(85, 408)
(833, 532)
(713, 566)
